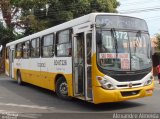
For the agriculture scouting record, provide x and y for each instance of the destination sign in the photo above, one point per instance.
(121, 22)
(114, 55)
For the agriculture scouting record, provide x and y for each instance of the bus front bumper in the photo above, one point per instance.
(102, 95)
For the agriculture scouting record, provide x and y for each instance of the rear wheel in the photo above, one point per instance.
(62, 88)
(19, 79)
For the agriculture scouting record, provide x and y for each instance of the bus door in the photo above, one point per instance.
(82, 65)
(11, 63)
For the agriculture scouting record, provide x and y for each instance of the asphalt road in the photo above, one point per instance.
(31, 102)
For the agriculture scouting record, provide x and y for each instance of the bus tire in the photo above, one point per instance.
(19, 79)
(62, 88)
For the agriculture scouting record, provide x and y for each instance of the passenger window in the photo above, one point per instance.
(47, 46)
(18, 50)
(26, 50)
(64, 43)
(35, 49)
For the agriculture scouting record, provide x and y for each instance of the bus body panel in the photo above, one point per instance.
(46, 81)
(43, 72)
(7, 67)
(101, 95)
(104, 96)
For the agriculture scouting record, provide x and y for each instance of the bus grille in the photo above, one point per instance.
(126, 78)
(130, 93)
(126, 85)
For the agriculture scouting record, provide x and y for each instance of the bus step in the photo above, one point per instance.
(83, 98)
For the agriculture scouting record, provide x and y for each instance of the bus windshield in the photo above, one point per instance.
(123, 50)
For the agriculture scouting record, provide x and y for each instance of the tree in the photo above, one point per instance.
(35, 15)
(17, 14)
(6, 12)
(6, 35)
(63, 10)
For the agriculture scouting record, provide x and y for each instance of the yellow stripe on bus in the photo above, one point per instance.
(44, 79)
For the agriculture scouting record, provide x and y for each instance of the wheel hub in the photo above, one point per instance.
(64, 88)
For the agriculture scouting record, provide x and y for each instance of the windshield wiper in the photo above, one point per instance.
(113, 34)
(138, 36)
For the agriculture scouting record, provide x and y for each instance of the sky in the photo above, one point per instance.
(145, 9)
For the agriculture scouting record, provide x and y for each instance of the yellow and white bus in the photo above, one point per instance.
(99, 57)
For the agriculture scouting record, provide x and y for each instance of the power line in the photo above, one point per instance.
(152, 17)
(134, 3)
(140, 10)
(55, 11)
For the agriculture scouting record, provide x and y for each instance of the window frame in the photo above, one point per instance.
(36, 47)
(70, 42)
(28, 49)
(42, 45)
(16, 57)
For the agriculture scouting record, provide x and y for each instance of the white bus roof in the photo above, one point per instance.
(77, 21)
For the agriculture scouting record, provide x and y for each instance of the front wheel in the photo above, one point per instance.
(62, 88)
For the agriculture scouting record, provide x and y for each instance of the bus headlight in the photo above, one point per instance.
(148, 81)
(106, 84)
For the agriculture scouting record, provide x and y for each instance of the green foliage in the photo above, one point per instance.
(63, 10)
(6, 34)
(33, 15)
(33, 25)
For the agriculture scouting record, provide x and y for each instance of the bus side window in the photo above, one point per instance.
(35, 48)
(48, 46)
(26, 51)
(18, 50)
(63, 44)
